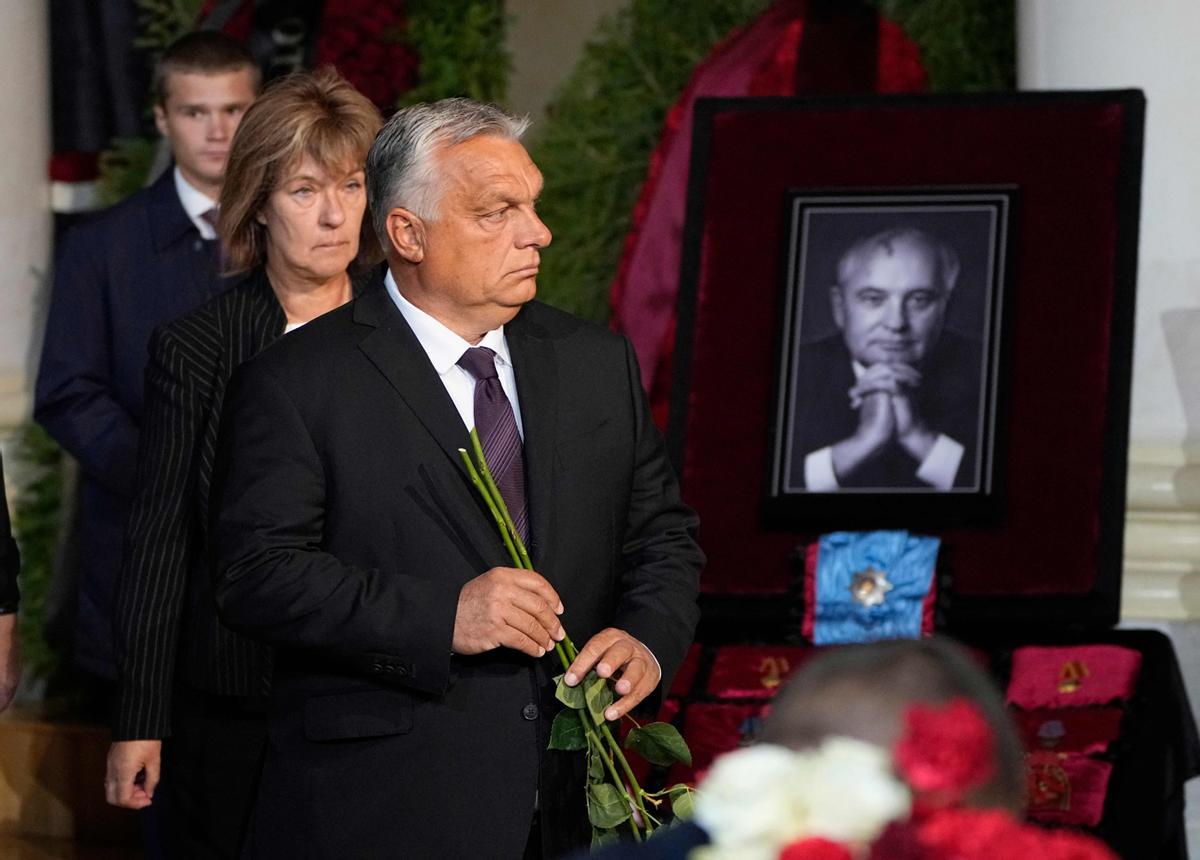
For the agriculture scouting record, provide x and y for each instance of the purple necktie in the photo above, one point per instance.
(212, 216)
(498, 434)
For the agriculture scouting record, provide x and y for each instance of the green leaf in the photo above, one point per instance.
(595, 763)
(598, 694)
(682, 801)
(566, 732)
(606, 805)
(572, 697)
(659, 743)
(603, 836)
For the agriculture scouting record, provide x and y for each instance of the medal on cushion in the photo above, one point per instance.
(753, 671)
(868, 586)
(1072, 676)
(1076, 730)
(1066, 788)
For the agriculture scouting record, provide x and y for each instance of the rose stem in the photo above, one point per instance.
(483, 482)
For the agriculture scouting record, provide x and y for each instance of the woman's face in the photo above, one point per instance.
(313, 220)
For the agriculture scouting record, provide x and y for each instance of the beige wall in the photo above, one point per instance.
(546, 39)
(25, 221)
(1095, 44)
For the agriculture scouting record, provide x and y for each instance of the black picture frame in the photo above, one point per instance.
(1049, 561)
(954, 342)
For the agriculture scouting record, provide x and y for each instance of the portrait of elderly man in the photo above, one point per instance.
(893, 398)
(413, 689)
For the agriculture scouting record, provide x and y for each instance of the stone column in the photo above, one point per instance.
(1099, 44)
(26, 226)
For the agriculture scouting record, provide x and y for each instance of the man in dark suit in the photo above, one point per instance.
(145, 261)
(10, 563)
(894, 400)
(412, 696)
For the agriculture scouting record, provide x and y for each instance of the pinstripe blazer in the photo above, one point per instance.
(166, 620)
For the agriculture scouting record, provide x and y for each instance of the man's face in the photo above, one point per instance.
(891, 309)
(199, 118)
(313, 219)
(481, 251)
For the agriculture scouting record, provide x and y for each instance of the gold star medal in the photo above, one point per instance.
(870, 587)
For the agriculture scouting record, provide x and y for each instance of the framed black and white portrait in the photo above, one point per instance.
(890, 340)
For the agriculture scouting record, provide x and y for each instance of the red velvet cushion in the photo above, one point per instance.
(753, 671)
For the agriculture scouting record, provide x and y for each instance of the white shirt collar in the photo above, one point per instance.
(195, 203)
(443, 346)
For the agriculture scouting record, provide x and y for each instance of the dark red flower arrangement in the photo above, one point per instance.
(363, 39)
(944, 754)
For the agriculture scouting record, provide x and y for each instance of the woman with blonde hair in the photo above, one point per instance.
(291, 220)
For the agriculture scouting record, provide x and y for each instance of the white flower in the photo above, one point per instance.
(853, 794)
(748, 801)
(759, 799)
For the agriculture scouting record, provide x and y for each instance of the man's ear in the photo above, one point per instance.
(837, 304)
(160, 121)
(406, 232)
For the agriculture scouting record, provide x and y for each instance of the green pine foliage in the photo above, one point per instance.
(124, 168)
(966, 45)
(461, 49)
(601, 128)
(607, 117)
(35, 524)
(161, 22)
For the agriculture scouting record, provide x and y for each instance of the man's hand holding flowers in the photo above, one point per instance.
(613, 653)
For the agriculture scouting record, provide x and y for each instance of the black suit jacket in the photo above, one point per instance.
(117, 277)
(10, 559)
(949, 400)
(674, 843)
(345, 530)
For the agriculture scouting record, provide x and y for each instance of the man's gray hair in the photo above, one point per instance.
(943, 255)
(400, 166)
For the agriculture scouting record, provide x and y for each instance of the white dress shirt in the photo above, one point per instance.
(195, 203)
(445, 348)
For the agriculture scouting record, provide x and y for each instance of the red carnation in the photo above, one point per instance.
(945, 751)
(815, 848)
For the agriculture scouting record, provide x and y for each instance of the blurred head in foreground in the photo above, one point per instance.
(868, 692)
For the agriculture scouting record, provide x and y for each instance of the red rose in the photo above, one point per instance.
(815, 849)
(945, 751)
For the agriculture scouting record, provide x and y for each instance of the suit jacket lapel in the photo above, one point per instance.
(536, 367)
(169, 221)
(395, 351)
(397, 354)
